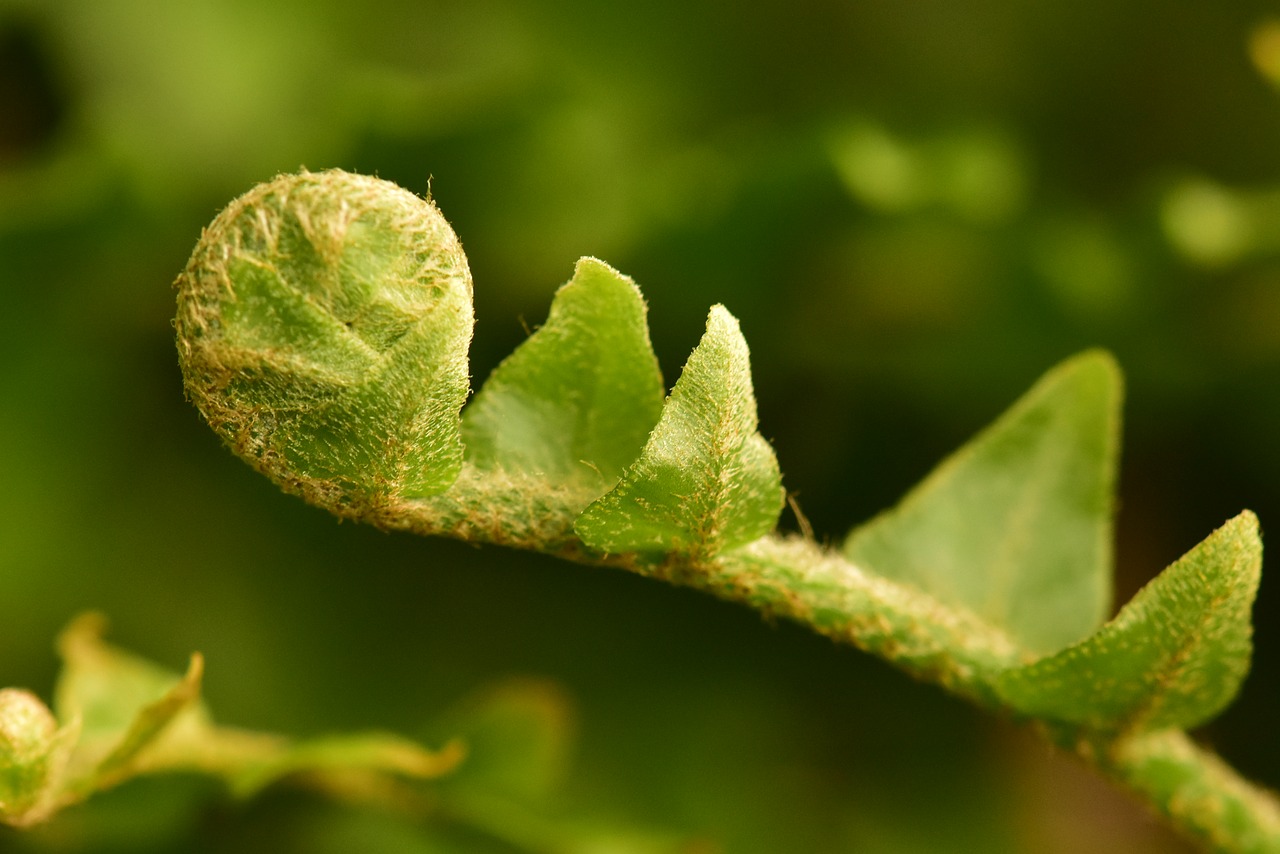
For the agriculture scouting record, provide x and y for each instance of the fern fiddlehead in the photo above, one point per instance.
(323, 327)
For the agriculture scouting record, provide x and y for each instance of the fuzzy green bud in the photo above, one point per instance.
(27, 740)
(323, 325)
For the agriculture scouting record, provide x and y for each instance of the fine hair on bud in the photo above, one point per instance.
(323, 326)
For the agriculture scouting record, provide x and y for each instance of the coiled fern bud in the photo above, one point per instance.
(323, 326)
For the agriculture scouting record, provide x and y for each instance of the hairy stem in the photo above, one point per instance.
(779, 576)
(797, 579)
(1203, 797)
(1199, 794)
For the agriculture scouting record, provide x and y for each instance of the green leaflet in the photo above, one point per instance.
(706, 481)
(1173, 657)
(1016, 525)
(323, 325)
(576, 401)
(124, 704)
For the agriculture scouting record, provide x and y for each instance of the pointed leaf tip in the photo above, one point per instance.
(150, 722)
(1174, 656)
(706, 481)
(125, 703)
(1016, 525)
(575, 402)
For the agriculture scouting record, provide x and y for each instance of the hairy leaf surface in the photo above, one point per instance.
(576, 401)
(707, 480)
(1173, 657)
(1016, 525)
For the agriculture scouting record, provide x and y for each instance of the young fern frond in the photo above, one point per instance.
(323, 327)
(324, 324)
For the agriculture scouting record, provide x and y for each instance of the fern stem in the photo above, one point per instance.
(1194, 789)
(796, 578)
(1199, 794)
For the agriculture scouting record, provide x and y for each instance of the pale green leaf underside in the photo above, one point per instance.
(340, 758)
(1173, 657)
(576, 401)
(518, 735)
(706, 480)
(1016, 525)
(123, 702)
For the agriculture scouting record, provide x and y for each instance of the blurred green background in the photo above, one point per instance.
(915, 208)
